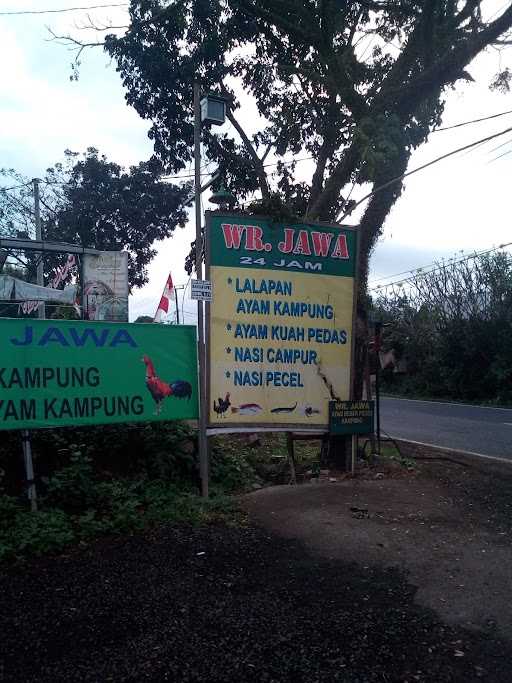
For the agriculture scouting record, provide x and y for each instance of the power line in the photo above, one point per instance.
(15, 187)
(273, 163)
(418, 272)
(504, 154)
(15, 13)
(468, 123)
(494, 149)
(413, 271)
(342, 216)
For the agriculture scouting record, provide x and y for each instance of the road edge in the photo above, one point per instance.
(453, 451)
(444, 403)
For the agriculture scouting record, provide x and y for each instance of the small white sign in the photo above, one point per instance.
(201, 290)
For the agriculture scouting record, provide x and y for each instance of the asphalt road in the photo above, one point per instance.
(471, 428)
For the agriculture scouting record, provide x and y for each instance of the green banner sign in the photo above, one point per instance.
(56, 373)
(351, 417)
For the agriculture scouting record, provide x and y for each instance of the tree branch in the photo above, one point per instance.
(72, 43)
(325, 153)
(279, 20)
(258, 163)
(265, 155)
(450, 68)
(467, 11)
(339, 177)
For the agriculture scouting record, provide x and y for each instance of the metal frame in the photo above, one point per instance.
(44, 246)
(231, 427)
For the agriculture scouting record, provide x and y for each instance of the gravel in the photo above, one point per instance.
(222, 603)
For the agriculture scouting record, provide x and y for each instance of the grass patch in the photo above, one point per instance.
(123, 507)
(82, 499)
(78, 507)
(391, 453)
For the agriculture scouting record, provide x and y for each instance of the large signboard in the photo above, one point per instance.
(106, 286)
(61, 373)
(280, 322)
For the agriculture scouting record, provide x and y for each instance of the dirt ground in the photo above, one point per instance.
(447, 526)
(408, 585)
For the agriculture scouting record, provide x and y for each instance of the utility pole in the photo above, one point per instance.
(203, 441)
(40, 265)
(25, 434)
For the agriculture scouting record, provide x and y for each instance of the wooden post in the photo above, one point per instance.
(369, 397)
(291, 458)
(354, 453)
(29, 469)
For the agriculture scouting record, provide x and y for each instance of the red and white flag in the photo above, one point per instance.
(165, 301)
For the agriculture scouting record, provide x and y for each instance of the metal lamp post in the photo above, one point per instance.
(211, 109)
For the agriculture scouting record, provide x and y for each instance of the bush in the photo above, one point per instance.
(73, 487)
(25, 533)
(122, 507)
(453, 325)
(119, 479)
(230, 469)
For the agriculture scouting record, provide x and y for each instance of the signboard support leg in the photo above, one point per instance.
(29, 469)
(291, 458)
(369, 397)
(354, 453)
(377, 402)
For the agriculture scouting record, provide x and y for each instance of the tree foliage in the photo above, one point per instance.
(90, 201)
(453, 325)
(354, 85)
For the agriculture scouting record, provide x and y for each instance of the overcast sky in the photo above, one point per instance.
(460, 204)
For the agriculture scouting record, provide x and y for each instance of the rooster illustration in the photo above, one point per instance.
(222, 405)
(160, 389)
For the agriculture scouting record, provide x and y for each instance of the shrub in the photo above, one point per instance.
(229, 468)
(25, 533)
(73, 487)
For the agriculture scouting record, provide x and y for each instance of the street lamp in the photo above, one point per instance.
(223, 198)
(213, 110)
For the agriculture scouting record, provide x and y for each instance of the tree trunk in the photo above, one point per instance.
(379, 206)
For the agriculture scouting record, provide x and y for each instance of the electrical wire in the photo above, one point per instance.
(15, 13)
(501, 155)
(413, 271)
(468, 123)
(342, 215)
(15, 187)
(495, 149)
(273, 163)
(418, 272)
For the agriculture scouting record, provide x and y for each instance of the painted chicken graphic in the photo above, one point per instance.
(160, 389)
(222, 405)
